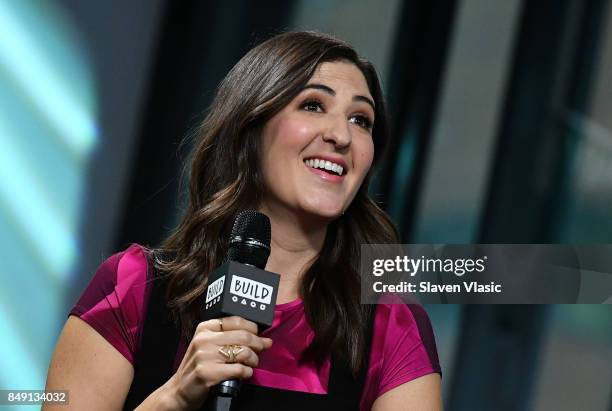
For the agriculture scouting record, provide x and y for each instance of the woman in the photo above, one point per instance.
(293, 132)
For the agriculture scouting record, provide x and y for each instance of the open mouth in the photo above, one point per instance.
(328, 166)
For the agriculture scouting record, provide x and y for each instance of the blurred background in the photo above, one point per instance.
(502, 133)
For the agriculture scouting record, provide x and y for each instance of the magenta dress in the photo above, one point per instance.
(403, 346)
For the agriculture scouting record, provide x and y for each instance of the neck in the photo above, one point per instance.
(295, 244)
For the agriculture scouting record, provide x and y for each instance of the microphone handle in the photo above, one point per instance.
(221, 395)
(228, 388)
(218, 403)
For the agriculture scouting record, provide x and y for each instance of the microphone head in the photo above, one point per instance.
(250, 239)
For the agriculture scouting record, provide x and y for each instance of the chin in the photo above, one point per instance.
(324, 211)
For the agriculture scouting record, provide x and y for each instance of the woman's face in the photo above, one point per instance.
(319, 148)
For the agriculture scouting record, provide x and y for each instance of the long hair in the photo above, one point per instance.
(225, 178)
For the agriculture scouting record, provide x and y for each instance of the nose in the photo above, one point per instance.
(338, 132)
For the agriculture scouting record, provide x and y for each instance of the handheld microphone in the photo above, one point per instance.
(241, 286)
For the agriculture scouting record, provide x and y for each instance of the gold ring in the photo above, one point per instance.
(230, 352)
(220, 324)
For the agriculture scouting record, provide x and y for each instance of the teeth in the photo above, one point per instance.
(327, 165)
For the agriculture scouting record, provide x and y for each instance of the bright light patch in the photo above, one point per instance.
(17, 369)
(20, 191)
(47, 134)
(23, 54)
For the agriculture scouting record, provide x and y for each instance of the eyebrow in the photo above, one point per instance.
(331, 92)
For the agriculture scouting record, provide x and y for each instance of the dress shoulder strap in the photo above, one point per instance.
(158, 345)
(345, 389)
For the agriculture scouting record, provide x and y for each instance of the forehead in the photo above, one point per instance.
(343, 75)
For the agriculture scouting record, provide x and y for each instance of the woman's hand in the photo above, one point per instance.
(203, 366)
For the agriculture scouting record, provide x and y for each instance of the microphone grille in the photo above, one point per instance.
(251, 224)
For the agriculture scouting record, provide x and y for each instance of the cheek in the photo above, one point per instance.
(284, 137)
(293, 133)
(364, 156)
(278, 136)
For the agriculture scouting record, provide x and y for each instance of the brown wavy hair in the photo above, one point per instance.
(225, 179)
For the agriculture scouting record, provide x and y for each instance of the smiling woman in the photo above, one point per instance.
(293, 132)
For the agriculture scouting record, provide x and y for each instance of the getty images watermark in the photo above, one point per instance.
(488, 273)
(412, 266)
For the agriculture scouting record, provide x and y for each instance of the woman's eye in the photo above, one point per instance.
(362, 121)
(312, 105)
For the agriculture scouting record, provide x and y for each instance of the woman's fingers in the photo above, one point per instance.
(211, 375)
(228, 324)
(243, 338)
(235, 331)
(240, 371)
(220, 349)
(238, 323)
(235, 344)
(243, 354)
